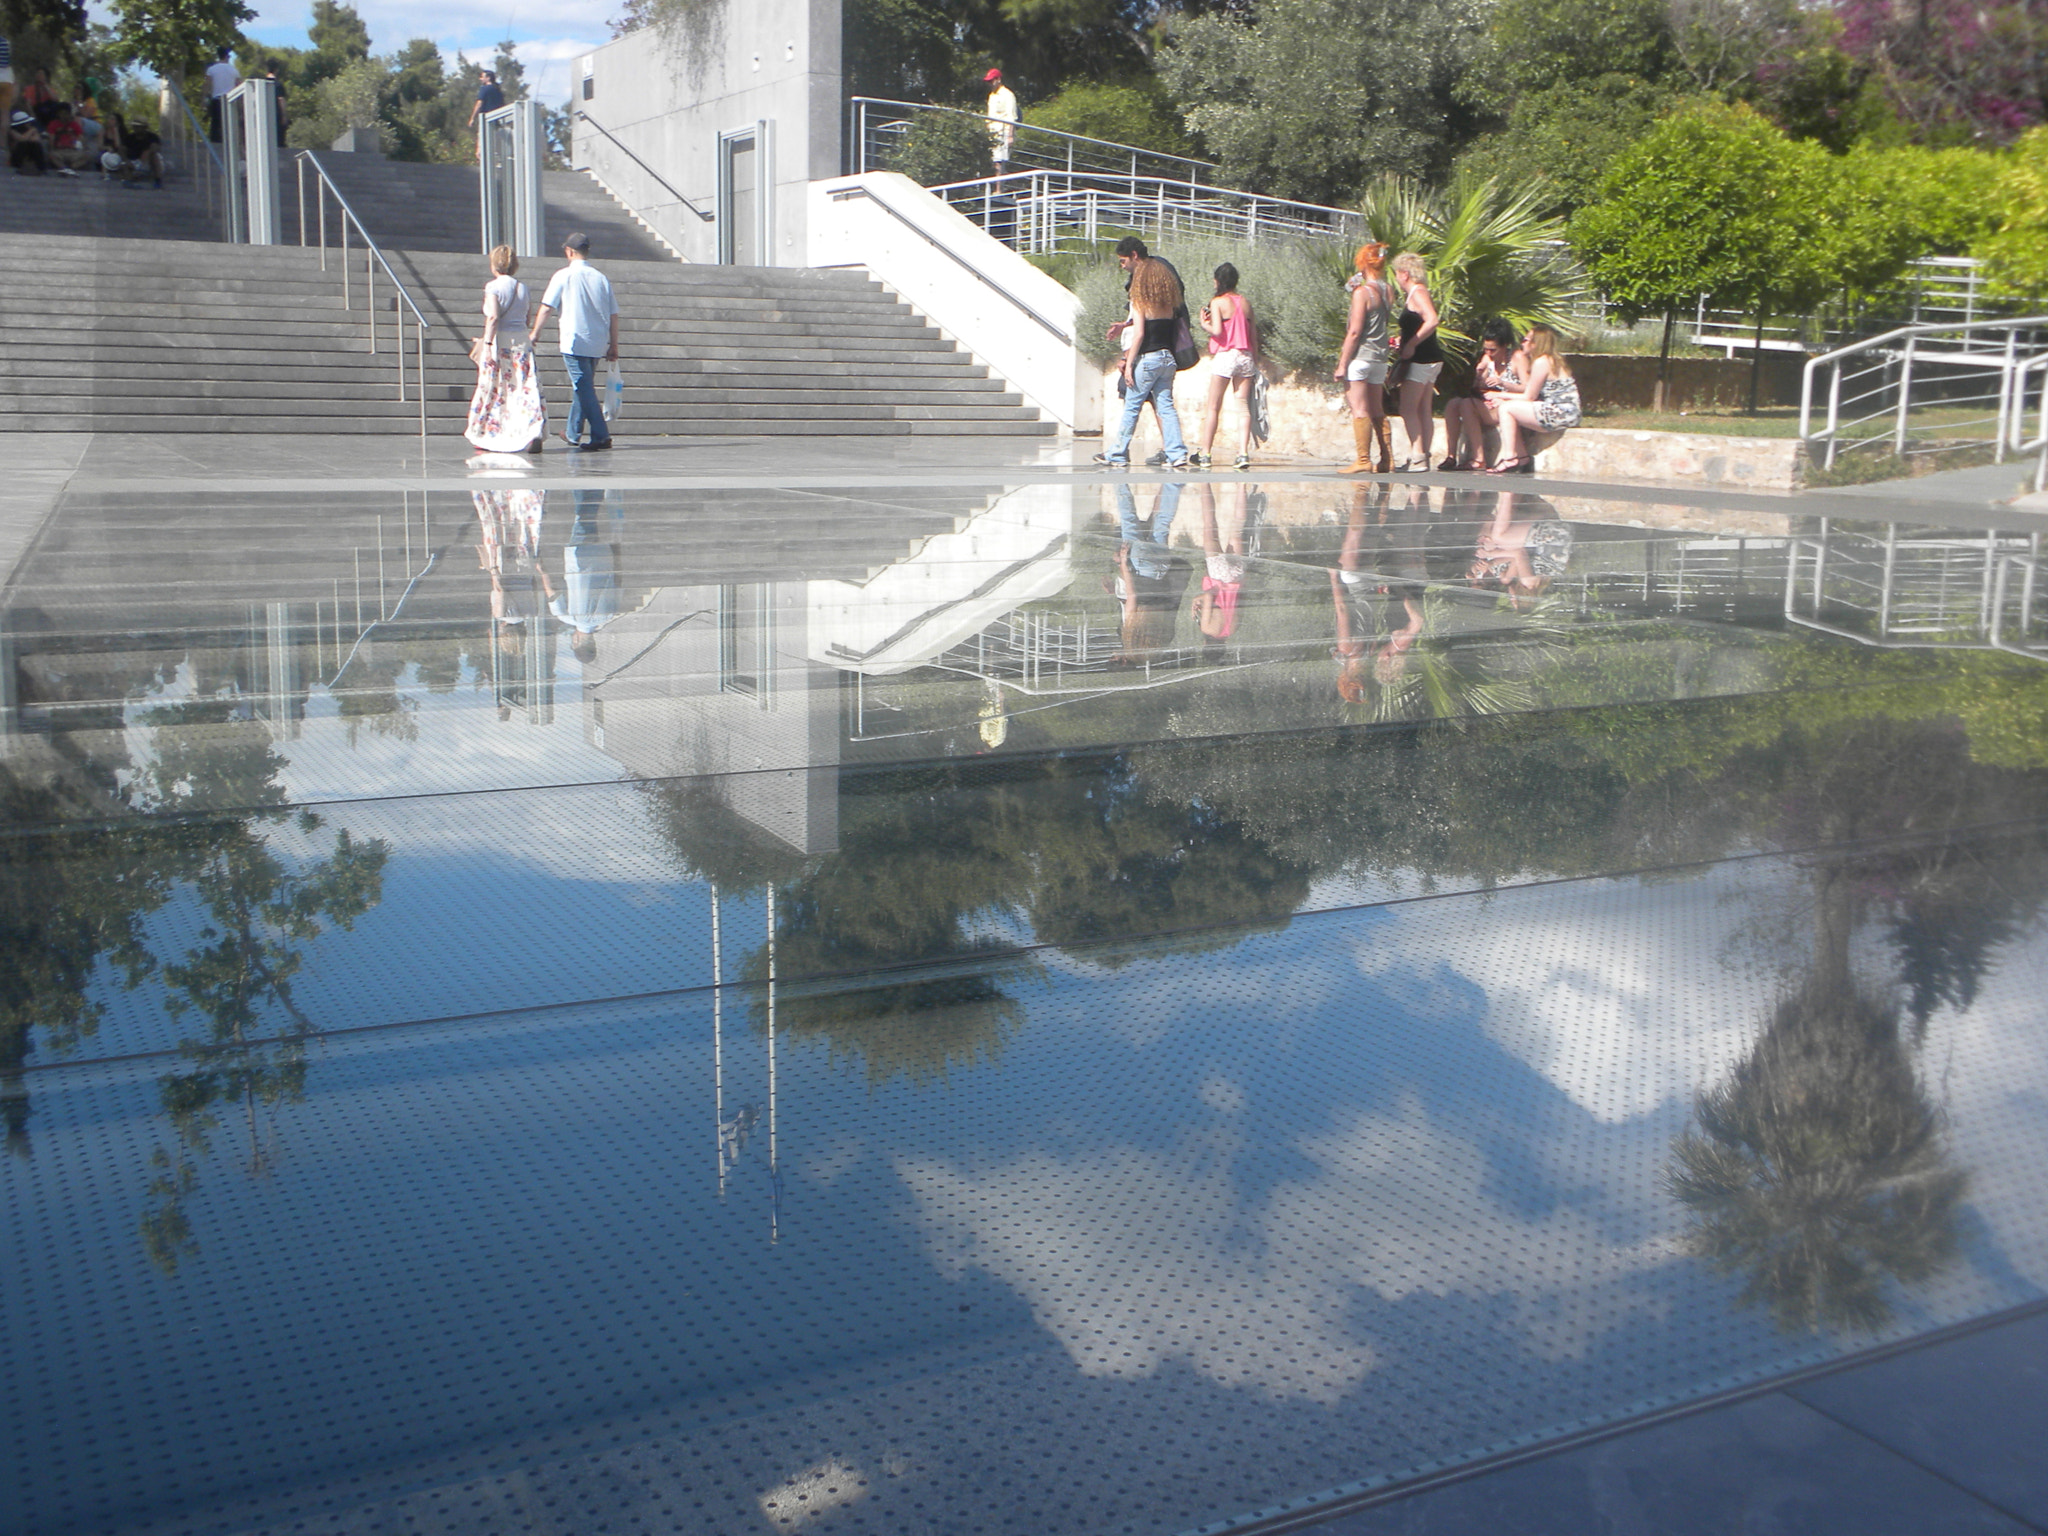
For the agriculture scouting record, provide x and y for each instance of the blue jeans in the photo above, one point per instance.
(583, 406)
(1148, 550)
(1154, 382)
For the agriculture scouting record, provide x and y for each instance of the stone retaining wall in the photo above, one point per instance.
(1307, 423)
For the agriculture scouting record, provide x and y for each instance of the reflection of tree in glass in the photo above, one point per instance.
(262, 909)
(1819, 1171)
(66, 900)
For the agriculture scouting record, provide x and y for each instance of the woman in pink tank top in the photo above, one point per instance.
(1233, 361)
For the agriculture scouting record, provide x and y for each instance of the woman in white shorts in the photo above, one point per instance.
(1233, 361)
(1424, 355)
(1362, 364)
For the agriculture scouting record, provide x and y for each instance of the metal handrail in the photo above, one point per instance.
(1905, 341)
(585, 117)
(848, 194)
(1052, 205)
(860, 103)
(372, 253)
(199, 137)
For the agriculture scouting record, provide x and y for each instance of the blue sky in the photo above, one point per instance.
(550, 36)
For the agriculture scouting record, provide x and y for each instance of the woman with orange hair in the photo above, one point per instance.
(1362, 365)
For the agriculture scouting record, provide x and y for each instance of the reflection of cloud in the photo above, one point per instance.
(1422, 1223)
(1612, 991)
(1132, 1261)
(1986, 1067)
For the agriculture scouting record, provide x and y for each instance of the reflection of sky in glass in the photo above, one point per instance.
(1377, 1189)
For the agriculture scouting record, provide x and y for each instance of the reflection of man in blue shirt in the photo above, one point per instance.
(589, 595)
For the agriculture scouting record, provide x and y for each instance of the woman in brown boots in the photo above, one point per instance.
(1362, 365)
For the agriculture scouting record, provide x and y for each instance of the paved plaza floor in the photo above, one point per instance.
(920, 987)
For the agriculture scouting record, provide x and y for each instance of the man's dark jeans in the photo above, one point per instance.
(583, 406)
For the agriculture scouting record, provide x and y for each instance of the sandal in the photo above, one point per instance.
(1513, 467)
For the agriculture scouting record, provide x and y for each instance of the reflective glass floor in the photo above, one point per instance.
(1020, 1003)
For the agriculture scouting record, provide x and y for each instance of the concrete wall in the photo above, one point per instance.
(669, 99)
(1011, 316)
(1314, 424)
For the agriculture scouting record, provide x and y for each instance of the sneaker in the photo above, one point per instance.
(1156, 460)
(1244, 461)
(65, 170)
(1182, 466)
(1108, 463)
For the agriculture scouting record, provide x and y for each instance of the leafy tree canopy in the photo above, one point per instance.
(2016, 252)
(1312, 99)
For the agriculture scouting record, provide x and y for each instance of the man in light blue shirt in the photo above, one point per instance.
(582, 296)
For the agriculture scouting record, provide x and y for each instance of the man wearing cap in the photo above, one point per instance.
(1002, 119)
(582, 296)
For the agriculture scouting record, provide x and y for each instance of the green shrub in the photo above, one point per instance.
(1123, 114)
(1296, 289)
(941, 148)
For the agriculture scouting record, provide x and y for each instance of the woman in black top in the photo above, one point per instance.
(1423, 354)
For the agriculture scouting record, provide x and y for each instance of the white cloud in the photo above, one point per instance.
(550, 38)
(1127, 1258)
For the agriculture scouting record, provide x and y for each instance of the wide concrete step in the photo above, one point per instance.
(259, 347)
(328, 318)
(173, 384)
(354, 426)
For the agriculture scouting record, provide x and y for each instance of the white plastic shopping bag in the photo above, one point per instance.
(614, 391)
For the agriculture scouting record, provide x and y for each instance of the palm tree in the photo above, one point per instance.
(1491, 251)
(1820, 1169)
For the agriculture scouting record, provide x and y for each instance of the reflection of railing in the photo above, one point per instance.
(373, 258)
(1042, 212)
(1902, 587)
(661, 181)
(1922, 390)
(188, 137)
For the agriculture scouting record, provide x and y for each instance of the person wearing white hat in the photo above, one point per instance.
(25, 151)
(1002, 119)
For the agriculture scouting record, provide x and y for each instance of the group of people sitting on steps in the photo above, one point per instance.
(1522, 394)
(49, 134)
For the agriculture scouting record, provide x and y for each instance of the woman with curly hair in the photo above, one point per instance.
(1148, 368)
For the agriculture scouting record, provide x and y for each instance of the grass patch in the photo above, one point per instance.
(1769, 421)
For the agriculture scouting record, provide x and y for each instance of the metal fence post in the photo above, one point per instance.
(1905, 397)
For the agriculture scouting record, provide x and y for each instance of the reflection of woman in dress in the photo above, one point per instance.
(508, 550)
(1521, 555)
(507, 414)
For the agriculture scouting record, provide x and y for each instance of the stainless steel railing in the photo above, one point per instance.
(187, 137)
(1919, 391)
(373, 259)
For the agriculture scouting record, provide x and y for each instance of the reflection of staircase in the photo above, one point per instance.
(188, 336)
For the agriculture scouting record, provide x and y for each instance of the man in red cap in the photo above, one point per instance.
(1002, 120)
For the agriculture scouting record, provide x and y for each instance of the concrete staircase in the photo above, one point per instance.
(434, 207)
(176, 336)
(404, 206)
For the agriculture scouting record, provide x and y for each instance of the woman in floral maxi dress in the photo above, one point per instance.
(507, 414)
